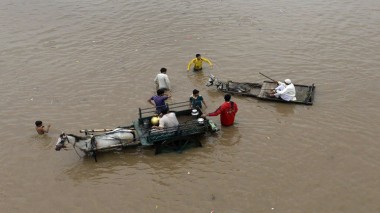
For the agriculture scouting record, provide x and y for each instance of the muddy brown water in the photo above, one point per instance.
(91, 64)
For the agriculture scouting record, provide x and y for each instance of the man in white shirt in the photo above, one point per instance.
(286, 91)
(162, 80)
(168, 120)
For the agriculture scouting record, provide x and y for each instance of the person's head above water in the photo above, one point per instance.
(160, 92)
(195, 92)
(38, 123)
(227, 97)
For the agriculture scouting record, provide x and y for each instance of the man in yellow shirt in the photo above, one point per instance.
(198, 63)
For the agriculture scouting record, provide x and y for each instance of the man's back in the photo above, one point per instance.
(169, 120)
(159, 101)
(227, 116)
(288, 93)
(163, 81)
(227, 113)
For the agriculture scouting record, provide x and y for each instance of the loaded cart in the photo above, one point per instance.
(191, 128)
(140, 133)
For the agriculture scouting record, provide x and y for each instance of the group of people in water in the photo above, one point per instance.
(227, 110)
(162, 80)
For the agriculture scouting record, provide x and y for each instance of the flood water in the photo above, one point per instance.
(91, 64)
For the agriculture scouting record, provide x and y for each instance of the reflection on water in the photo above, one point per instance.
(229, 136)
(198, 79)
(44, 142)
(126, 161)
(108, 164)
(285, 109)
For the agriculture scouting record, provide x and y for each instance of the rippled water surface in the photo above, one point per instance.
(91, 64)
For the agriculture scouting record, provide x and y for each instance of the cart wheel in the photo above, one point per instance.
(93, 154)
(181, 145)
(157, 148)
(198, 142)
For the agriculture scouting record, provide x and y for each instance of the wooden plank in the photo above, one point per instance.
(267, 86)
(94, 130)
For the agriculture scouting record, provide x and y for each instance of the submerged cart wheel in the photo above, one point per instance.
(157, 148)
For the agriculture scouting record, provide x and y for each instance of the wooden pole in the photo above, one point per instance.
(268, 77)
(94, 130)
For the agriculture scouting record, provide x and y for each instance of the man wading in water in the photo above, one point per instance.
(227, 111)
(40, 128)
(198, 63)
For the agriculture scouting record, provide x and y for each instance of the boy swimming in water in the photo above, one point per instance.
(40, 128)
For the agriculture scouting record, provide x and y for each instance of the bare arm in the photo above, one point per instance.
(47, 129)
(204, 103)
(150, 101)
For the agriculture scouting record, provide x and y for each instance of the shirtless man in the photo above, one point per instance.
(40, 128)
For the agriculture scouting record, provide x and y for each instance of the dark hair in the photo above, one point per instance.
(195, 91)
(164, 110)
(163, 70)
(197, 55)
(38, 123)
(160, 91)
(227, 97)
